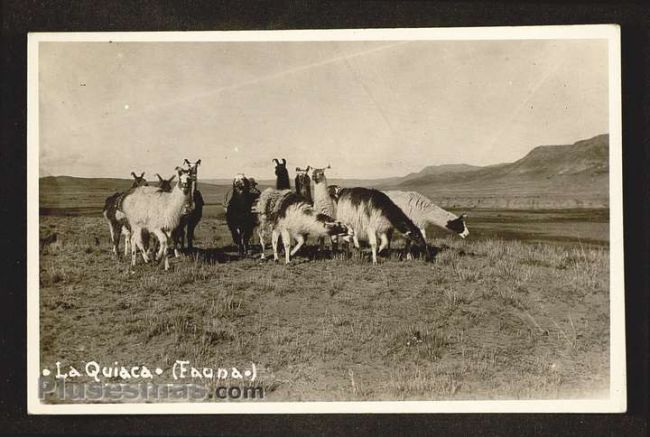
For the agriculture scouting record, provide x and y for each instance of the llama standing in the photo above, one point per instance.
(155, 211)
(192, 213)
(303, 184)
(239, 212)
(270, 194)
(371, 214)
(282, 174)
(120, 226)
(322, 200)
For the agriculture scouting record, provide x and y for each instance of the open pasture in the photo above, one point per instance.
(501, 315)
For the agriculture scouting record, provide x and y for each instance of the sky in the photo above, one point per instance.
(370, 109)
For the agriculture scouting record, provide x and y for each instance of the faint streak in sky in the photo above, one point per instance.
(251, 82)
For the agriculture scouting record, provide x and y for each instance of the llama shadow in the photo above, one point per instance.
(314, 253)
(227, 254)
(220, 255)
(429, 255)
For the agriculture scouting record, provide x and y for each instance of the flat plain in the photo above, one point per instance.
(518, 310)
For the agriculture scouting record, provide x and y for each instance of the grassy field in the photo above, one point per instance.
(519, 310)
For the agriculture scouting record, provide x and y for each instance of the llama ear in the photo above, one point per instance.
(172, 178)
(284, 161)
(178, 169)
(133, 174)
(276, 161)
(160, 179)
(142, 175)
(187, 161)
(197, 162)
(463, 216)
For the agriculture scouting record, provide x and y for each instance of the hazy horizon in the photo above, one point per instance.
(150, 176)
(370, 109)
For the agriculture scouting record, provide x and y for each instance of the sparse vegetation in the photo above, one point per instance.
(487, 318)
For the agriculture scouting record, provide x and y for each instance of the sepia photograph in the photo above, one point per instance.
(333, 221)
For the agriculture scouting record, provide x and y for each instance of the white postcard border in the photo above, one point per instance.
(617, 401)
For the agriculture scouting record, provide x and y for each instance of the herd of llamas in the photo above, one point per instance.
(171, 211)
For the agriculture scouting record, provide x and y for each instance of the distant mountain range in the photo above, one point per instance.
(575, 175)
(559, 176)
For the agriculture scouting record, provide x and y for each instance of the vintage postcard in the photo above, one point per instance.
(333, 221)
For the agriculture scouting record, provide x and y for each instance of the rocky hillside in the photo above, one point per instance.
(569, 176)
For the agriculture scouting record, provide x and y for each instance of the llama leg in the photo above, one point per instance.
(335, 244)
(143, 243)
(348, 248)
(248, 233)
(389, 236)
(111, 228)
(275, 235)
(190, 235)
(260, 234)
(182, 236)
(176, 236)
(134, 247)
(286, 241)
(321, 243)
(162, 251)
(301, 240)
(161, 248)
(372, 239)
(127, 240)
(384, 242)
(139, 243)
(168, 240)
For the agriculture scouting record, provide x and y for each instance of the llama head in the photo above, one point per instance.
(458, 226)
(280, 167)
(334, 191)
(184, 179)
(302, 176)
(417, 237)
(165, 184)
(253, 184)
(318, 175)
(339, 229)
(192, 167)
(138, 181)
(241, 184)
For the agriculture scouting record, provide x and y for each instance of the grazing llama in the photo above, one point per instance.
(371, 214)
(288, 215)
(423, 212)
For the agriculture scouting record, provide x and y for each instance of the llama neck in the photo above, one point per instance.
(438, 216)
(282, 182)
(320, 189)
(178, 199)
